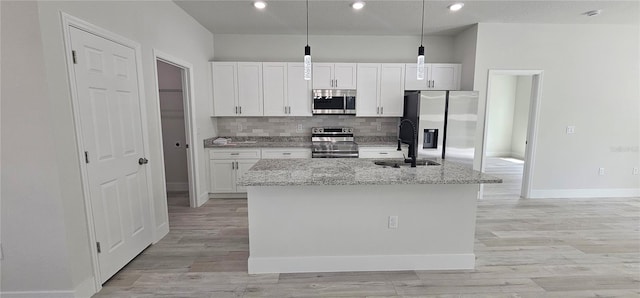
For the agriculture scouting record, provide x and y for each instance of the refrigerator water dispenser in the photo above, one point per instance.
(430, 139)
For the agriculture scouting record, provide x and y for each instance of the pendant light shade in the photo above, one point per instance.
(307, 51)
(420, 64)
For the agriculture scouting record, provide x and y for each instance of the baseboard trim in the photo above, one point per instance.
(39, 294)
(242, 195)
(361, 263)
(585, 193)
(86, 288)
(177, 186)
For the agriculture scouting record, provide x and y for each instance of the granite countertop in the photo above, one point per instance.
(356, 171)
(302, 142)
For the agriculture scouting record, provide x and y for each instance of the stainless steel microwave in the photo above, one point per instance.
(334, 101)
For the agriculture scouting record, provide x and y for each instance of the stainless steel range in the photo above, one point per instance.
(333, 142)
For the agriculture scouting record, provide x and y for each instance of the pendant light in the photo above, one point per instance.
(307, 51)
(420, 66)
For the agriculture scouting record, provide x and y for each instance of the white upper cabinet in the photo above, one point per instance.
(380, 90)
(438, 76)
(392, 90)
(334, 76)
(445, 76)
(368, 90)
(225, 87)
(274, 84)
(286, 92)
(237, 88)
(250, 89)
(298, 90)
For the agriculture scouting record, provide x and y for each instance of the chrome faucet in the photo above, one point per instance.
(412, 146)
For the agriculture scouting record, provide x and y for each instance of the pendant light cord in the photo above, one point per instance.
(421, 29)
(308, 22)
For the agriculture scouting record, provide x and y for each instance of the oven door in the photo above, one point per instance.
(328, 105)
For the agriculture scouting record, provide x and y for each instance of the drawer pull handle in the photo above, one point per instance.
(286, 153)
(384, 152)
(235, 153)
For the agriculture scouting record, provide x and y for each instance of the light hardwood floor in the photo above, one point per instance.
(524, 248)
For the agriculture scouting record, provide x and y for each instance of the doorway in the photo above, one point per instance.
(510, 128)
(176, 109)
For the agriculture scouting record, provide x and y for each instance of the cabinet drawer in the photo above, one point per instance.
(286, 153)
(234, 153)
(381, 152)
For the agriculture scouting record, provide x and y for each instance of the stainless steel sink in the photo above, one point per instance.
(396, 163)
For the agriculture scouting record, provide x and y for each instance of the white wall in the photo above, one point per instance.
(158, 25)
(464, 52)
(591, 80)
(500, 118)
(334, 48)
(33, 227)
(521, 116)
(173, 127)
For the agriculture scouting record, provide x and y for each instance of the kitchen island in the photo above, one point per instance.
(324, 215)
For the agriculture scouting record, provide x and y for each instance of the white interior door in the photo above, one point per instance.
(109, 105)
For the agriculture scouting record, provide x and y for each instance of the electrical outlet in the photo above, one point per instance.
(393, 222)
(299, 129)
(635, 171)
(378, 126)
(571, 129)
(601, 171)
(239, 126)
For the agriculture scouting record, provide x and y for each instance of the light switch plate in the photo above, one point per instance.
(393, 222)
(571, 129)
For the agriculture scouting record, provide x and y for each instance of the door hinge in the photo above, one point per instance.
(98, 247)
(73, 55)
(86, 156)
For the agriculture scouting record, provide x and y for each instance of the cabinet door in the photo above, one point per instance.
(345, 76)
(322, 76)
(243, 167)
(225, 96)
(274, 84)
(221, 176)
(298, 90)
(250, 88)
(410, 79)
(391, 90)
(445, 76)
(368, 90)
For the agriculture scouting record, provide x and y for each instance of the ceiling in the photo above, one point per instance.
(396, 17)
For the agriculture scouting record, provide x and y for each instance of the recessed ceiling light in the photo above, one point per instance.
(455, 6)
(593, 13)
(357, 5)
(260, 4)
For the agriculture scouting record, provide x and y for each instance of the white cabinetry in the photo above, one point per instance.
(438, 76)
(285, 91)
(380, 90)
(285, 153)
(334, 76)
(237, 88)
(227, 165)
(382, 152)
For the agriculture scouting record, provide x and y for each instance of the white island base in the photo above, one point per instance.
(331, 228)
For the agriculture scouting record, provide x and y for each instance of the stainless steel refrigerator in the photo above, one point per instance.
(446, 124)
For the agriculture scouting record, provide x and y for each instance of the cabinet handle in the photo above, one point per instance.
(236, 109)
(381, 110)
(235, 153)
(286, 153)
(233, 165)
(289, 110)
(384, 153)
(237, 165)
(336, 82)
(240, 109)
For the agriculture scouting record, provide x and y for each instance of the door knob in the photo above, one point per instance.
(143, 161)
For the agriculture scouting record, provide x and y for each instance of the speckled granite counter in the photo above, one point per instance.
(301, 142)
(356, 171)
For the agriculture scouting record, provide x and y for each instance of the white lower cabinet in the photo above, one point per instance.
(226, 166)
(282, 153)
(382, 152)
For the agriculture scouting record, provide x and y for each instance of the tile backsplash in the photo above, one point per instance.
(288, 126)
